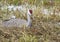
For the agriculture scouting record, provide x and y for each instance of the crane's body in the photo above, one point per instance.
(16, 22)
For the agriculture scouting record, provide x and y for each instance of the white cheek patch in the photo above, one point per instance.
(29, 12)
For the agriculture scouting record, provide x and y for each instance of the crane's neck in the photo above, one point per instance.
(28, 20)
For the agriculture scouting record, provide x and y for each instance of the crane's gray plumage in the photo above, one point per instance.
(15, 22)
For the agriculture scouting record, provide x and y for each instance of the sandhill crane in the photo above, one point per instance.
(16, 22)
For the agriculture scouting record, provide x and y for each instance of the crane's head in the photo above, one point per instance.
(29, 11)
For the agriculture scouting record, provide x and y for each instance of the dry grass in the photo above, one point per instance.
(44, 29)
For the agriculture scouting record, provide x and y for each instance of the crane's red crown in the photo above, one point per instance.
(30, 11)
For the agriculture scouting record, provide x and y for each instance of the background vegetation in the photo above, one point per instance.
(44, 28)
